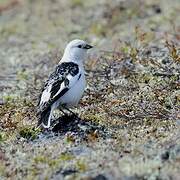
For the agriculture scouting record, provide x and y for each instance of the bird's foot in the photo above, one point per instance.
(72, 113)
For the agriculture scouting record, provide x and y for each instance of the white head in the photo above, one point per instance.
(76, 51)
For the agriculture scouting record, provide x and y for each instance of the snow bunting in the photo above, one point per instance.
(65, 86)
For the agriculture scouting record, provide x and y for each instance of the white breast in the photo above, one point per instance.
(74, 94)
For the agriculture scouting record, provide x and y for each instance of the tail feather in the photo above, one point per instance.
(45, 118)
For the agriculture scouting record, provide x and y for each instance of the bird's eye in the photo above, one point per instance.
(79, 46)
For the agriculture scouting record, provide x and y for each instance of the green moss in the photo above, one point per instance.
(14, 114)
(53, 162)
(32, 173)
(9, 97)
(66, 157)
(98, 29)
(125, 49)
(40, 159)
(22, 75)
(3, 136)
(29, 133)
(51, 46)
(75, 3)
(2, 170)
(81, 166)
(145, 78)
(94, 117)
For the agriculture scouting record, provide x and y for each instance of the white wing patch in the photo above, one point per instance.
(46, 95)
(61, 88)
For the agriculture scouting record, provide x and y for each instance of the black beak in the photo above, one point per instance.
(87, 46)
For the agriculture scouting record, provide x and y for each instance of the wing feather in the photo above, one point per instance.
(60, 81)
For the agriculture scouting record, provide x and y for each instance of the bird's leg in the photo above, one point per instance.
(74, 114)
(62, 111)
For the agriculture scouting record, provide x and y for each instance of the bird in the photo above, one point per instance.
(66, 84)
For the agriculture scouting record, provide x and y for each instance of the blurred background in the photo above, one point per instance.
(29, 27)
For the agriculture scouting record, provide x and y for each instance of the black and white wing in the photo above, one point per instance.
(59, 82)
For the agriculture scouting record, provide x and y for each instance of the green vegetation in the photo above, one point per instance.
(29, 133)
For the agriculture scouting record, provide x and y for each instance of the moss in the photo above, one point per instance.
(14, 114)
(94, 117)
(51, 46)
(40, 159)
(22, 75)
(53, 162)
(48, 160)
(145, 78)
(75, 3)
(2, 170)
(29, 133)
(32, 173)
(81, 166)
(98, 29)
(66, 157)
(4, 136)
(9, 97)
(125, 49)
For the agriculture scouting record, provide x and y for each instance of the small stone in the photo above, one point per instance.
(165, 156)
(99, 177)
